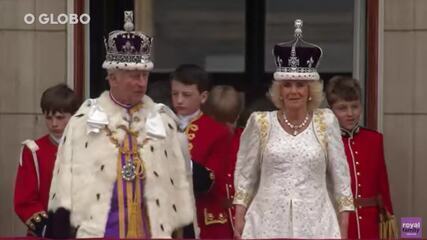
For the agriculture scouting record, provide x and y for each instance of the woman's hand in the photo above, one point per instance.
(343, 221)
(239, 221)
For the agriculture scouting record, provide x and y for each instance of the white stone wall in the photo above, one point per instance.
(32, 58)
(405, 105)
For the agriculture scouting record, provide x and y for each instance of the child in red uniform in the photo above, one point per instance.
(209, 149)
(58, 104)
(225, 104)
(365, 156)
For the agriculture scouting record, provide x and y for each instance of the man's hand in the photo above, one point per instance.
(203, 178)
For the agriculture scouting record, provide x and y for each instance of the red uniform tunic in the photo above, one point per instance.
(369, 181)
(229, 186)
(209, 146)
(32, 188)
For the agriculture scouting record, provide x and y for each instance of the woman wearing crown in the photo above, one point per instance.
(292, 178)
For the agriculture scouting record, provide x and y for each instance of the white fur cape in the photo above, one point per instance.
(86, 169)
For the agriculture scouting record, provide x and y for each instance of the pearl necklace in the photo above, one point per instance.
(293, 126)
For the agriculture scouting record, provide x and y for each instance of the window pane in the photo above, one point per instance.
(327, 23)
(208, 33)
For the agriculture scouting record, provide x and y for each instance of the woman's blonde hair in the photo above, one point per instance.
(315, 89)
(224, 104)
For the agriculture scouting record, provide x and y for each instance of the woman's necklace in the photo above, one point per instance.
(295, 127)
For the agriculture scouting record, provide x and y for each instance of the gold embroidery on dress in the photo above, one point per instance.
(345, 202)
(320, 128)
(241, 197)
(261, 119)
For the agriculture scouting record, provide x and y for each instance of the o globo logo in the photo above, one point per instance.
(63, 18)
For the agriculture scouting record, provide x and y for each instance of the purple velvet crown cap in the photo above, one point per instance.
(128, 50)
(297, 59)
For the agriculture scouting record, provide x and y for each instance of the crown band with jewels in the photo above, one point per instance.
(128, 50)
(297, 59)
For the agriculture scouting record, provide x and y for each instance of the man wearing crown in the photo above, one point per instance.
(120, 170)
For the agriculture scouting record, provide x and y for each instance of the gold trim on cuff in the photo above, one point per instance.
(345, 203)
(241, 197)
(36, 217)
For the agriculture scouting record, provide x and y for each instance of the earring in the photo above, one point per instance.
(309, 98)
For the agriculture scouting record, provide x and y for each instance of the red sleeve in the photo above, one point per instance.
(234, 149)
(231, 164)
(26, 198)
(384, 187)
(218, 161)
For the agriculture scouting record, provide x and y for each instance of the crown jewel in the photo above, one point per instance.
(129, 49)
(297, 59)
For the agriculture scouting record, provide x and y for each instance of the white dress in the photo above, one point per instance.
(292, 199)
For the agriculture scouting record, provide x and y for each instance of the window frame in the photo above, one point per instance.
(254, 80)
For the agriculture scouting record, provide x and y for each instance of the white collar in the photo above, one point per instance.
(185, 120)
(54, 139)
